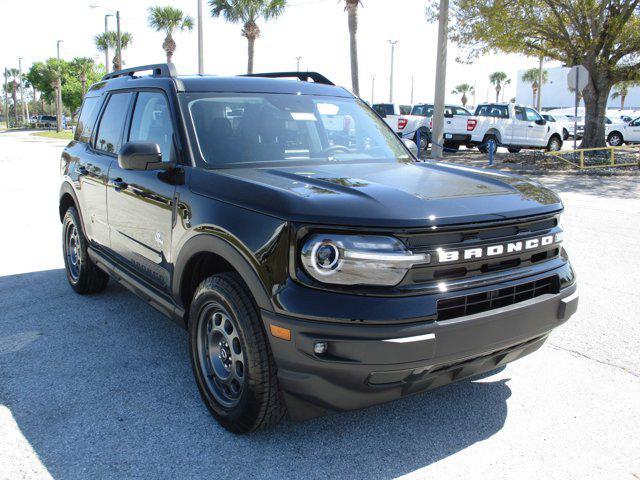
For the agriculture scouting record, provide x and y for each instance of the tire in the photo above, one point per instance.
(424, 141)
(230, 356)
(484, 146)
(83, 275)
(565, 134)
(615, 139)
(555, 144)
(514, 149)
(451, 148)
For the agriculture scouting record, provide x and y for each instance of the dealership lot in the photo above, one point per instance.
(101, 386)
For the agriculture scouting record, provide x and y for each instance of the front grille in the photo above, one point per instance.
(480, 237)
(482, 302)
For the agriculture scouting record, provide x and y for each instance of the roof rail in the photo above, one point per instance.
(158, 69)
(303, 76)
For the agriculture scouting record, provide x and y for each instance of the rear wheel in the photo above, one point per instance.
(230, 356)
(489, 144)
(554, 144)
(421, 139)
(615, 139)
(83, 275)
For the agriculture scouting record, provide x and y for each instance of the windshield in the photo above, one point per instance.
(237, 128)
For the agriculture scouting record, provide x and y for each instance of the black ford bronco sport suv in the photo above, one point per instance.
(316, 263)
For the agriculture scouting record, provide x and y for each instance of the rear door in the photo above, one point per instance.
(140, 203)
(519, 127)
(93, 166)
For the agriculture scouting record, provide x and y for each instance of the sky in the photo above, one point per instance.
(314, 29)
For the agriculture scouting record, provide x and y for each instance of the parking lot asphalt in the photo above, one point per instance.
(101, 386)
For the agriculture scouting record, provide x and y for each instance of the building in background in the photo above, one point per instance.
(555, 93)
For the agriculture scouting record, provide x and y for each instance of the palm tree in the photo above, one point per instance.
(532, 76)
(52, 71)
(248, 12)
(621, 90)
(109, 40)
(351, 6)
(463, 89)
(167, 20)
(497, 79)
(83, 65)
(13, 83)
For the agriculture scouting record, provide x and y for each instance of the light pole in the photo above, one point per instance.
(411, 89)
(441, 77)
(106, 50)
(298, 63)
(200, 40)
(393, 44)
(25, 107)
(58, 47)
(373, 88)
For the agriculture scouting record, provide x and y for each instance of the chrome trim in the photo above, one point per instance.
(417, 338)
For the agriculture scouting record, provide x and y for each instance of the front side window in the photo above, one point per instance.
(112, 123)
(461, 111)
(234, 129)
(520, 114)
(151, 122)
(532, 115)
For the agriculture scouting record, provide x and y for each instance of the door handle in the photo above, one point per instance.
(530, 126)
(119, 184)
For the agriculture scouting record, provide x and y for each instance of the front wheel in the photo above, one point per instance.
(615, 139)
(555, 144)
(230, 356)
(83, 275)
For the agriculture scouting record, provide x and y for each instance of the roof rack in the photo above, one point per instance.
(303, 76)
(158, 69)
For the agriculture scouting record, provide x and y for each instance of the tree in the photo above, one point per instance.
(351, 6)
(497, 79)
(83, 67)
(463, 89)
(52, 73)
(168, 20)
(109, 40)
(621, 90)
(248, 12)
(532, 76)
(77, 74)
(13, 84)
(602, 35)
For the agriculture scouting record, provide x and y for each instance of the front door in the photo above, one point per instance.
(632, 131)
(140, 203)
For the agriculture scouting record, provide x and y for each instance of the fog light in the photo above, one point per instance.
(320, 347)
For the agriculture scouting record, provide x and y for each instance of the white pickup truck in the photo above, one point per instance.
(502, 124)
(406, 125)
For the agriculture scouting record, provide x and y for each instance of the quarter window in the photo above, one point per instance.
(112, 122)
(152, 123)
(87, 120)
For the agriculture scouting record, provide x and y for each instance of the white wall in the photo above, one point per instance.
(555, 93)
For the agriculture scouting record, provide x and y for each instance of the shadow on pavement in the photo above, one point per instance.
(623, 187)
(101, 386)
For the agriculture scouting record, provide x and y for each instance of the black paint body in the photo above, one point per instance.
(147, 228)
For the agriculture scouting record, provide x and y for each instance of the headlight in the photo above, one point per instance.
(358, 259)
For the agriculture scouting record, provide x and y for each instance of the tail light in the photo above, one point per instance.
(471, 124)
(402, 122)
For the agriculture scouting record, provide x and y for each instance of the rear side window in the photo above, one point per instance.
(112, 122)
(498, 111)
(405, 109)
(152, 123)
(87, 120)
(423, 110)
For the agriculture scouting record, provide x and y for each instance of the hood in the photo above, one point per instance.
(378, 194)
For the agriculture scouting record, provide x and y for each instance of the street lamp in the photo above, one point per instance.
(106, 50)
(200, 40)
(393, 44)
(118, 34)
(58, 47)
(298, 63)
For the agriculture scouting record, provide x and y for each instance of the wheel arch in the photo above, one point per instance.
(67, 198)
(204, 255)
(493, 132)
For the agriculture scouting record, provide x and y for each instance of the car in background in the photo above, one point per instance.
(618, 134)
(562, 120)
(503, 124)
(406, 125)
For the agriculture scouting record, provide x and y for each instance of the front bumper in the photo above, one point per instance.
(368, 364)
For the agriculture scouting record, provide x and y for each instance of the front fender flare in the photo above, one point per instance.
(201, 243)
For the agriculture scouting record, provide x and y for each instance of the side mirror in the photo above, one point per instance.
(411, 145)
(140, 156)
(542, 121)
